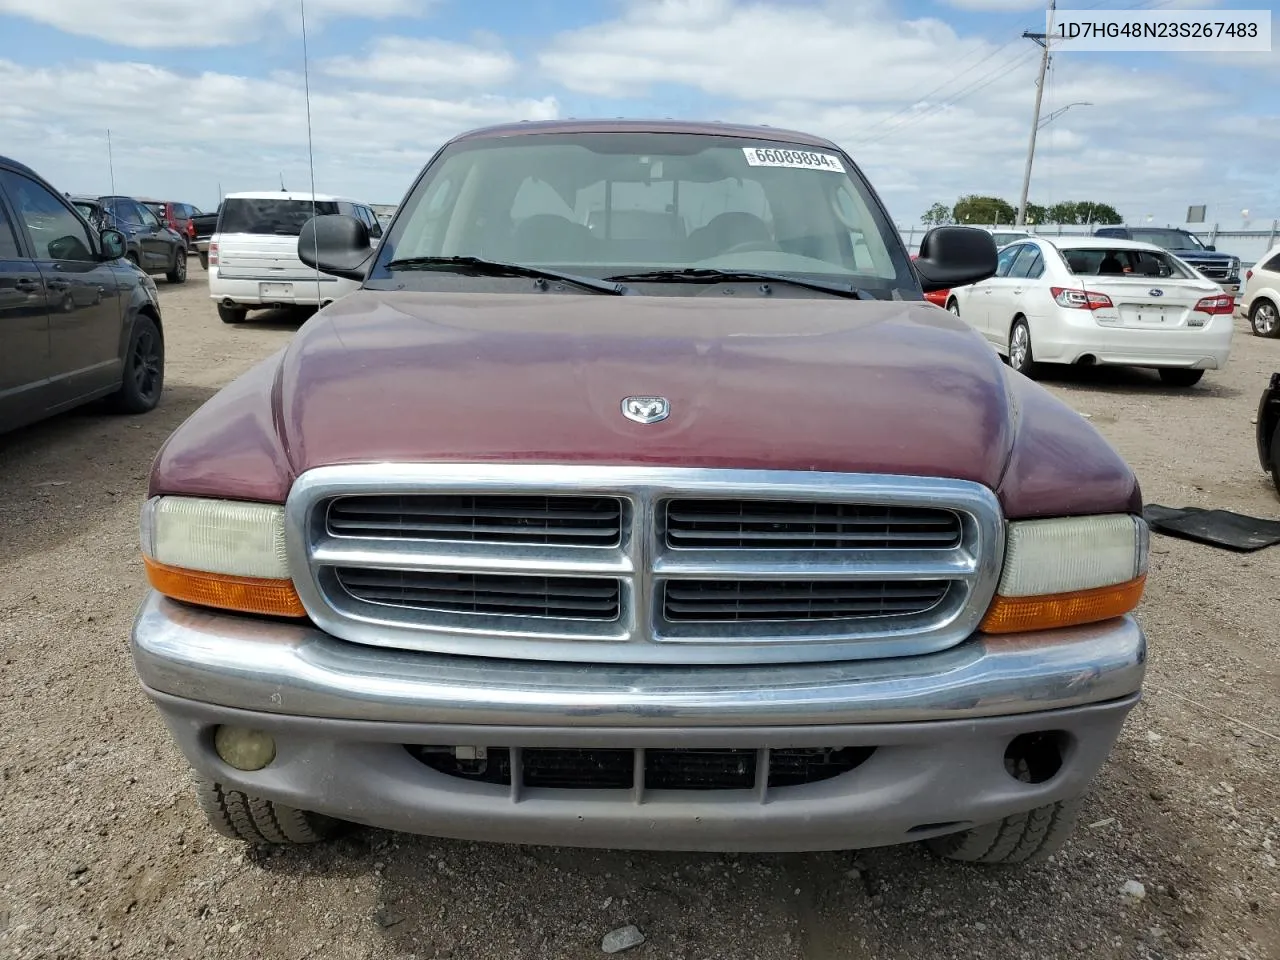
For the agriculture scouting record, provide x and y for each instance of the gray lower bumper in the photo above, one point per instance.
(342, 715)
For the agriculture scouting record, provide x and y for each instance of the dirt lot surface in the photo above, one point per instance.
(103, 851)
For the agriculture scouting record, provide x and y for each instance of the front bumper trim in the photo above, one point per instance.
(296, 670)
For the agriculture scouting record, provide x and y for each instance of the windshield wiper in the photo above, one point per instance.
(714, 275)
(496, 268)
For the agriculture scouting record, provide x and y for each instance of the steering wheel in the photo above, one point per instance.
(747, 246)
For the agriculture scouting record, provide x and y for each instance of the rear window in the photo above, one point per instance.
(270, 215)
(1102, 262)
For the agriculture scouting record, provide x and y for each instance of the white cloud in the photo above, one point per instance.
(759, 51)
(236, 131)
(426, 63)
(195, 23)
(928, 113)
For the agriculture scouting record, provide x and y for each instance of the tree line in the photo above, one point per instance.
(992, 210)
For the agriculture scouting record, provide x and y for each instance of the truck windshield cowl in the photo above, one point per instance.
(657, 204)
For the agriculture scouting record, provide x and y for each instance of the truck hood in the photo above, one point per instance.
(1203, 256)
(800, 384)
(753, 383)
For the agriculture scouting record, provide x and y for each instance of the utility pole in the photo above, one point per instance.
(1043, 40)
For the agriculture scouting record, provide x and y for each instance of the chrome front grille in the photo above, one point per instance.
(643, 565)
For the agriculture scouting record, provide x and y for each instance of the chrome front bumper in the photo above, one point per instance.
(274, 667)
(341, 716)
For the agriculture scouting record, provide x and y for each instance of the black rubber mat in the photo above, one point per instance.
(1218, 528)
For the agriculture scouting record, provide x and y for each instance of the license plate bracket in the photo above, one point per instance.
(275, 290)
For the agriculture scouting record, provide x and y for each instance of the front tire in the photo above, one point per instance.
(1264, 317)
(179, 272)
(953, 307)
(231, 314)
(1025, 836)
(143, 369)
(1021, 356)
(241, 816)
(204, 260)
(1180, 376)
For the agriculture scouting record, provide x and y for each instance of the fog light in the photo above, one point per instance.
(244, 749)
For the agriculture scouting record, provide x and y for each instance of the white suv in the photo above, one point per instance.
(253, 254)
(1260, 301)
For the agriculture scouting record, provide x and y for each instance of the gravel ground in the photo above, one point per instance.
(103, 851)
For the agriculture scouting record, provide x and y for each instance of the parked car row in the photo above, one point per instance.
(151, 244)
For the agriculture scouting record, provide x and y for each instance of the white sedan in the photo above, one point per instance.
(1260, 301)
(1099, 300)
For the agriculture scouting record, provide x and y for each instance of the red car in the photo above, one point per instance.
(561, 549)
(176, 216)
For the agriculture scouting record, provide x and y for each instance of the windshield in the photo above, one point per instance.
(1102, 262)
(1169, 239)
(601, 204)
(269, 215)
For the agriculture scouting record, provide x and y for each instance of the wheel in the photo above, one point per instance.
(143, 369)
(1016, 839)
(255, 820)
(204, 260)
(231, 314)
(1180, 376)
(1264, 317)
(953, 307)
(179, 272)
(1021, 357)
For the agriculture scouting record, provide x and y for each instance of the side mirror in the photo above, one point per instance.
(336, 244)
(955, 256)
(113, 244)
(1211, 247)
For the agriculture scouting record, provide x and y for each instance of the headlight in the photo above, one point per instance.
(1060, 573)
(219, 553)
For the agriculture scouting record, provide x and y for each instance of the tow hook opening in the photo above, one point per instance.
(1036, 757)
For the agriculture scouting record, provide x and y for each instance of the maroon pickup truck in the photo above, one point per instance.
(638, 499)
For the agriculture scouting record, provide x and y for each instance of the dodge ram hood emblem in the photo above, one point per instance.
(645, 409)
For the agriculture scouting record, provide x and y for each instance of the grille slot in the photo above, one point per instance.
(720, 601)
(569, 598)
(664, 769)
(802, 525)
(558, 521)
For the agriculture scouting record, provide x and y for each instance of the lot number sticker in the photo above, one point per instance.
(799, 159)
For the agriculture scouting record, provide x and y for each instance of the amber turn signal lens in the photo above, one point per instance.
(1018, 614)
(275, 598)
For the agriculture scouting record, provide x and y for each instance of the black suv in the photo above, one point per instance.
(77, 322)
(149, 244)
(1222, 268)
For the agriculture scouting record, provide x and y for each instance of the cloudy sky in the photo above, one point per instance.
(932, 97)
